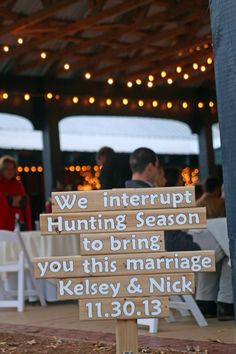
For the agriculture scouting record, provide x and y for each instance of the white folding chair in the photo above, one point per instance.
(185, 304)
(24, 270)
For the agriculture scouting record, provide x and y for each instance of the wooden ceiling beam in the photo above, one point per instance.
(134, 46)
(35, 18)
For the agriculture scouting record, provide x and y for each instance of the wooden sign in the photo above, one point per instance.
(116, 221)
(122, 272)
(123, 242)
(120, 199)
(150, 263)
(128, 308)
(123, 286)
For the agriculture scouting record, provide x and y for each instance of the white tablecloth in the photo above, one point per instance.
(42, 246)
(218, 228)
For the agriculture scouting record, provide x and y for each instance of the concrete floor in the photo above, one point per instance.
(65, 315)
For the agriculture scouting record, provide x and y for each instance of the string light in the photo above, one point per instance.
(43, 55)
(138, 81)
(27, 96)
(110, 81)
(140, 103)
(150, 84)
(129, 84)
(40, 169)
(91, 100)
(200, 105)
(163, 74)
(186, 76)
(87, 76)
(20, 41)
(198, 48)
(108, 102)
(33, 169)
(170, 81)
(150, 77)
(26, 169)
(66, 66)
(195, 66)
(6, 48)
(209, 61)
(203, 68)
(178, 69)
(75, 99)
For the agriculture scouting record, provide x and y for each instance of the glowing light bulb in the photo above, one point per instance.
(87, 76)
(170, 81)
(150, 84)
(125, 101)
(138, 82)
(203, 68)
(27, 96)
(150, 77)
(186, 76)
(140, 103)
(108, 101)
(154, 103)
(49, 95)
(5, 96)
(169, 105)
(211, 104)
(110, 81)
(6, 48)
(75, 99)
(200, 105)
(195, 66)
(91, 100)
(209, 60)
(20, 41)
(66, 66)
(178, 69)
(163, 74)
(43, 55)
(129, 84)
(185, 105)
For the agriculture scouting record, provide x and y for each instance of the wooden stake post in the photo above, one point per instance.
(123, 271)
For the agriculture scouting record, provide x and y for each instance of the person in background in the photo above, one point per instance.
(173, 177)
(211, 199)
(214, 290)
(145, 168)
(198, 191)
(13, 198)
(113, 171)
(161, 180)
(214, 294)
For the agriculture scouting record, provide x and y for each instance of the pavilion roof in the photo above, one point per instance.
(120, 39)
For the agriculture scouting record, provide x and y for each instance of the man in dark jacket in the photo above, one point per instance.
(144, 167)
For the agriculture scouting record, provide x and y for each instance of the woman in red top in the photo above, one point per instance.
(13, 198)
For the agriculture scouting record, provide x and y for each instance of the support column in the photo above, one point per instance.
(206, 152)
(223, 23)
(48, 114)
